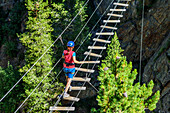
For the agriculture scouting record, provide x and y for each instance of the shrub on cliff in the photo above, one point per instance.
(118, 93)
(8, 77)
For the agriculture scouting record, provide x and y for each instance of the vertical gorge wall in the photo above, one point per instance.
(156, 43)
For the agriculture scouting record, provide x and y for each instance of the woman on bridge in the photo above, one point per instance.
(69, 57)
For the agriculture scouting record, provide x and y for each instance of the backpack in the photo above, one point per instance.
(69, 63)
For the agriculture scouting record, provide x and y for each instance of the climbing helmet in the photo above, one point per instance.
(70, 44)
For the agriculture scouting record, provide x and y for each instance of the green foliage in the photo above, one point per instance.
(11, 22)
(36, 41)
(70, 9)
(8, 77)
(118, 93)
(11, 48)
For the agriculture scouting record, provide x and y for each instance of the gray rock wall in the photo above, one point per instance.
(158, 69)
(156, 52)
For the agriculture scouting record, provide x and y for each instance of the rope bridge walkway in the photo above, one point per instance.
(116, 7)
(116, 13)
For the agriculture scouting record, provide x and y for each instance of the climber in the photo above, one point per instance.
(69, 57)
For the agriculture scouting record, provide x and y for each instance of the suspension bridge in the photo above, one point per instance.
(116, 9)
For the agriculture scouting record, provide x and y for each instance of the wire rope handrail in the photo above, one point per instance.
(85, 39)
(84, 58)
(45, 51)
(94, 64)
(60, 58)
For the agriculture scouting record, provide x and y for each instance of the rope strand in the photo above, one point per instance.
(140, 65)
(85, 57)
(45, 51)
(82, 42)
(94, 64)
(59, 60)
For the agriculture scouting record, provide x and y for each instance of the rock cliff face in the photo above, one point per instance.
(158, 69)
(156, 43)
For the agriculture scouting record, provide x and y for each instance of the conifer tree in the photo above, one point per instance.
(36, 41)
(118, 93)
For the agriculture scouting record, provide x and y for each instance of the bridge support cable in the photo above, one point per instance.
(140, 65)
(82, 42)
(45, 51)
(36, 87)
(93, 87)
(88, 20)
(60, 58)
(84, 59)
(44, 92)
(88, 76)
(95, 64)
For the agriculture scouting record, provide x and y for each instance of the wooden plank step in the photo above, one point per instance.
(92, 54)
(96, 47)
(111, 21)
(81, 79)
(116, 15)
(85, 70)
(62, 108)
(101, 40)
(78, 88)
(70, 98)
(121, 4)
(117, 9)
(108, 27)
(105, 33)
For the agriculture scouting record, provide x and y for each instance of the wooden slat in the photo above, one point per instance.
(85, 70)
(105, 33)
(108, 27)
(121, 4)
(111, 21)
(96, 47)
(117, 9)
(70, 98)
(101, 40)
(91, 62)
(116, 15)
(81, 79)
(78, 88)
(92, 54)
(62, 108)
